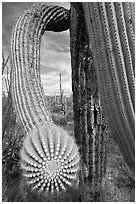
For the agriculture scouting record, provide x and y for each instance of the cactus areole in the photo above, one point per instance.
(49, 156)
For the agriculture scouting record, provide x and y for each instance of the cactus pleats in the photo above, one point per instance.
(50, 158)
(27, 90)
(111, 34)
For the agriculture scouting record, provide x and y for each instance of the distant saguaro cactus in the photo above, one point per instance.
(49, 156)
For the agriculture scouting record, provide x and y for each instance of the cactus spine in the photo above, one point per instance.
(110, 29)
(45, 145)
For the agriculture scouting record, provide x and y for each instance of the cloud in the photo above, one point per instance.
(55, 59)
(60, 41)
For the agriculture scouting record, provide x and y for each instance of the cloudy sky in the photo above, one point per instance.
(55, 51)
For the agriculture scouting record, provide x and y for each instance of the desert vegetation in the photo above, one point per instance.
(67, 151)
(118, 184)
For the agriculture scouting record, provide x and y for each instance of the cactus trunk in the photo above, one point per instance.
(110, 28)
(89, 124)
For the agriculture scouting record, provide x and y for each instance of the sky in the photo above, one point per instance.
(55, 50)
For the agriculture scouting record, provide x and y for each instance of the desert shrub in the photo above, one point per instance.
(119, 182)
(12, 136)
(70, 116)
(56, 109)
(59, 119)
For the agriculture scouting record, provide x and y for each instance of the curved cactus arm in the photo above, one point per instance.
(49, 156)
(111, 34)
(27, 89)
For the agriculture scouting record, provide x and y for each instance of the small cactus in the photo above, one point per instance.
(50, 159)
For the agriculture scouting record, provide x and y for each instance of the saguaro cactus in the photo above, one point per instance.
(106, 47)
(45, 146)
(110, 28)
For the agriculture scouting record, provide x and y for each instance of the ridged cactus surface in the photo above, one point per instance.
(49, 156)
(50, 159)
(27, 90)
(110, 28)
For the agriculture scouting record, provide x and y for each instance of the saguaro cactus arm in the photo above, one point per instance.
(110, 28)
(27, 89)
(49, 156)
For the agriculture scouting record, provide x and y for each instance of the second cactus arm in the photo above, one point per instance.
(110, 29)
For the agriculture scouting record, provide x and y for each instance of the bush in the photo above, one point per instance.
(59, 119)
(56, 109)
